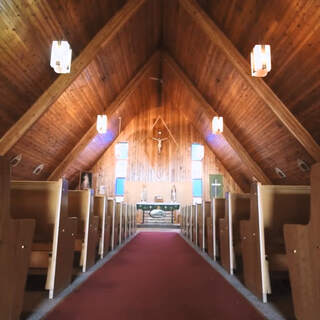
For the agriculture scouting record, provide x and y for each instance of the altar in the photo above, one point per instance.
(157, 208)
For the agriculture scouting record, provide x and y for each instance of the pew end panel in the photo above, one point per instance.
(47, 203)
(81, 206)
(218, 212)
(15, 250)
(224, 244)
(100, 210)
(302, 244)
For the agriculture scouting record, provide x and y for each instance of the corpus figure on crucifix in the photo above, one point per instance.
(159, 143)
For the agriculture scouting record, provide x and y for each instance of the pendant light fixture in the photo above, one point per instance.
(260, 60)
(61, 54)
(217, 125)
(102, 123)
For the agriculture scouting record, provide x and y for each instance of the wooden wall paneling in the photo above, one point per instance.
(27, 31)
(294, 44)
(286, 118)
(228, 135)
(146, 166)
(251, 121)
(62, 82)
(110, 110)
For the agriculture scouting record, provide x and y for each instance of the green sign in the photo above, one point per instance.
(216, 185)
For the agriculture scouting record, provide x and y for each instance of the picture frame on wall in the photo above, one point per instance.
(85, 181)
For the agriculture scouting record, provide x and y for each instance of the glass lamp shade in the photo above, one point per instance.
(102, 123)
(61, 55)
(260, 60)
(217, 125)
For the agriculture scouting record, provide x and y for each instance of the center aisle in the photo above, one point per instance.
(156, 276)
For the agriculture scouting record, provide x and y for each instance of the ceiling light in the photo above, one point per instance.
(102, 123)
(217, 125)
(260, 60)
(61, 54)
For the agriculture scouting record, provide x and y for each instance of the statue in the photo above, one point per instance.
(144, 193)
(173, 194)
(159, 143)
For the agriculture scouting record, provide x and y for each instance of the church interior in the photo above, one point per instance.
(159, 159)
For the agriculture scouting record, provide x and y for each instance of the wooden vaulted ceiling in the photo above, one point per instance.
(177, 41)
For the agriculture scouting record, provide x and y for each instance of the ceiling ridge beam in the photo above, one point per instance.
(56, 89)
(254, 168)
(110, 110)
(284, 115)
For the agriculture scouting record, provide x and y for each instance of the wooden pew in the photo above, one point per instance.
(81, 206)
(111, 213)
(302, 244)
(213, 230)
(203, 214)
(189, 222)
(101, 210)
(53, 243)
(194, 224)
(16, 236)
(237, 207)
(116, 225)
(263, 247)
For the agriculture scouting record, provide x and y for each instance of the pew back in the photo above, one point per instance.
(81, 206)
(100, 210)
(218, 211)
(47, 203)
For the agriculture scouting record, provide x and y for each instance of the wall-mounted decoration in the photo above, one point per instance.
(37, 170)
(216, 185)
(280, 173)
(15, 160)
(85, 181)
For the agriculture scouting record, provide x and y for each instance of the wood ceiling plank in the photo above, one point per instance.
(110, 110)
(44, 102)
(259, 86)
(228, 135)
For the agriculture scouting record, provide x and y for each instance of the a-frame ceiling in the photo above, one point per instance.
(202, 76)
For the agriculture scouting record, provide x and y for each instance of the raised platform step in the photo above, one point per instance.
(159, 225)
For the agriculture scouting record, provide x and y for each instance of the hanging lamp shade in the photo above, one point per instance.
(217, 125)
(260, 60)
(102, 123)
(61, 54)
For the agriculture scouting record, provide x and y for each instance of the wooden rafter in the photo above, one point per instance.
(228, 135)
(110, 110)
(260, 87)
(103, 37)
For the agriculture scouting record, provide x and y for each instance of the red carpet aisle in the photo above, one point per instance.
(156, 276)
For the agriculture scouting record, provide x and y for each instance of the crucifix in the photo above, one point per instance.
(216, 184)
(159, 143)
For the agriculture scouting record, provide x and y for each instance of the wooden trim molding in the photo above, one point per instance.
(260, 87)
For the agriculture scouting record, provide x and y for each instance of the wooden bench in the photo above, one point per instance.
(263, 246)
(302, 244)
(53, 243)
(189, 222)
(100, 209)
(203, 214)
(194, 223)
(213, 230)
(123, 223)
(237, 207)
(116, 224)
(111, 213)
(16, 236)
(87, 239)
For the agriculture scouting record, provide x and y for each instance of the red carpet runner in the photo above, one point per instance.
(156, 276)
